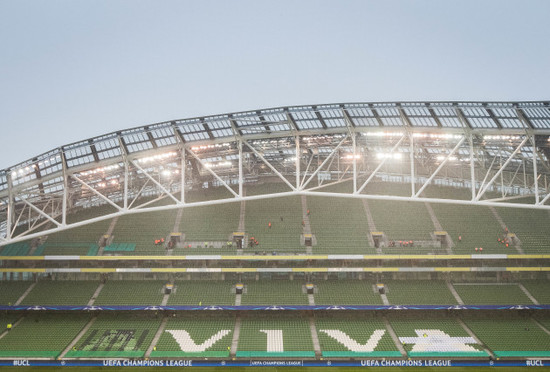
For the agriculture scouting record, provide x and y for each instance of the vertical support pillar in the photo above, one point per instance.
(354, 162)
(472, 167)
(240, 145)
(535, 170)
(524, 174)
(125, 183)
(182, 176)
(411, 155)
(64, 203)
(10, 206)
(298, 159)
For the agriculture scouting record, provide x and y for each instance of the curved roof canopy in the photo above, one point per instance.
(500, 147)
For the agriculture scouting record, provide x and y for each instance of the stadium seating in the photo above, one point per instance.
(487, 294)
(143, 229)
(126, 292)
(41, 335)
(435, 336)
(195, 292)
(346, 292)
(71, 249)
(538, 289)
(357, 336)
(61, 292)
(419, 292)
(289, 336)
(84, 234)
(10, 291)
(530, 226)
(476, 225)
(275, 292)
(340, 225)
(209, 223)
(196, 336)
(15, 249)
(114, 335)
(511, 337)
(283, 235)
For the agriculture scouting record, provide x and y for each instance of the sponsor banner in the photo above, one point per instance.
(276, 363)
(276, 307)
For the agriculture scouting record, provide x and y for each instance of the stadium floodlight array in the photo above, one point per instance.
(496, 150)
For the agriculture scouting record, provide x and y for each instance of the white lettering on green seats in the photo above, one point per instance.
(353, 345)
(438, 341)
(274, 340)
(187, 344)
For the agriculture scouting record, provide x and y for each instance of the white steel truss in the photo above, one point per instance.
(497, 164)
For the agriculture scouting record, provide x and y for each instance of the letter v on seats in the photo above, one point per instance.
(187, 344)
(353, 345)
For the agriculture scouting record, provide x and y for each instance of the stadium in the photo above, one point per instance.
(356, 234)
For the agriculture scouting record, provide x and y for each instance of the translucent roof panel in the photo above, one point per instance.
(107, 147)
(306, 120)
(164, 136)
(479, 117)
(137, 141)
(420, 116)
(507, 117)
(447, 117)
(392, 121)
(332, 116)
(538, 116)
(198, 136)
(222, 133)
(78, 154)
(362, 116)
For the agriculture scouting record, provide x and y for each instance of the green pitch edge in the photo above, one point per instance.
(521, 354)
(351, 354)
(284, 354)
(104, 354)
(29, 353)
(446, 354)
(183, 354)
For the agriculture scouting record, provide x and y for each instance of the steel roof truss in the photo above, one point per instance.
(96, 192)
(380, 165)
(429, 180)
(212, 173)
(334, 151)
(501, 168)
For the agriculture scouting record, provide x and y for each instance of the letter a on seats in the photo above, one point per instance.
(353, 345)
(187, 344)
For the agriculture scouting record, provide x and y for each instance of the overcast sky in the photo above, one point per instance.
(70, 70)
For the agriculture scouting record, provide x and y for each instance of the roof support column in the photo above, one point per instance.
(298, 160)
(182, 175)
(353, 139)
(65, 185)
(472, 166)
(240, 146)
(535, 171)
(126, 171)
(411, 156)
(10, 206)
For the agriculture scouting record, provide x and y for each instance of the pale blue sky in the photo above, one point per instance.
(70, 69)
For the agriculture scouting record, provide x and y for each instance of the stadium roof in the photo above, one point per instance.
(469, 144)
